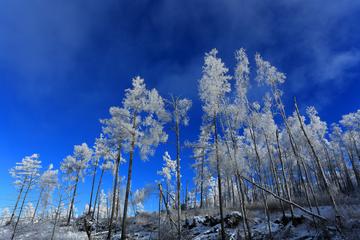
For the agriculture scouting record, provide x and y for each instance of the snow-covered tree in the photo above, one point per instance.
(351, 123)
(200, 150)
(27, 175)
(105, 155)
(168, 172)
(48, 182)
(117, 131)
(147, 117)
(213, 86)
(179, 111)
(74, 167)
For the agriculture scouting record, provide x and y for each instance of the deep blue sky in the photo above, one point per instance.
(64, 63)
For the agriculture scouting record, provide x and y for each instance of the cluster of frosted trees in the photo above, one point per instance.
(247, 151)
(136, 125)
(27, 178)
(254, 150)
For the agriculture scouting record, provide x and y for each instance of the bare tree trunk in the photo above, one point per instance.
(228, 198)
(297, 156)
(113, 205)
(260, 179)
(37, 205)
(294, 147)
(73, 199)
(274, 173)
(293, 184)
(331, 167)
(107, 208)
(92, 189)
(202, 179)
(186, 196)
(118, 199)
(167, 207)
(349, 183)
(128, 183)
(159, 221)
(354, 166)
(232, 192)
(21, 208)
(243, 208)
(308, 183)
(223, 234)
(178, 181)
(97, 214)
(18, 199)
(318, 162)
(98, 192)
(56, 217)
(283, 173)
(167, 192)
(284, 200)
(246, 226)
(238, 189)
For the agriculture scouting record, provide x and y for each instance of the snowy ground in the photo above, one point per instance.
(206, 226)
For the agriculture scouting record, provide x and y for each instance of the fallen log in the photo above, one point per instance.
(284, 200)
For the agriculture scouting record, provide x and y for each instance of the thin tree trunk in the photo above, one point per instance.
(178, 181)
(97, 214)
(159, 220)
(308, 181)
(167, 207)
(349, 183)
(284, 200)
(21, 208)
(128, 183)
(118, 199)
(72, 199)
(260, 179)
(37, 205)
(186, 196)
(18, 199)
(332, 171)
(243, 208)
(294, 147)
(228, 198)
(232, 192)
(317, 161)
(113, 205)
(238, 189)
(92, 189)
(273, 170)
(283, 173)
(56, 217)
(98, 191)
(202, 179)
(298, 157)
(223, 234)
(354, 166)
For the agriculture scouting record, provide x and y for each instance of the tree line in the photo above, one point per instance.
(247, 152)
